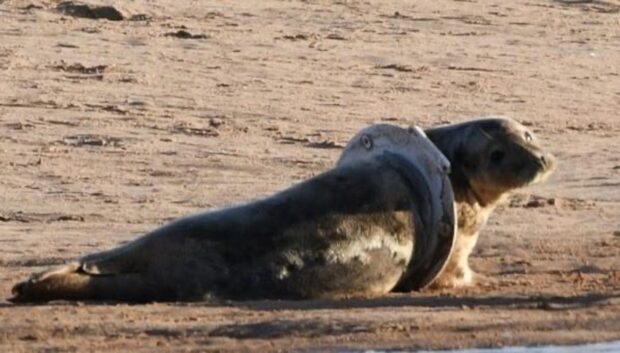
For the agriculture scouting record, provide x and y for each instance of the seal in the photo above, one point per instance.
(357, 229)
(490, 158)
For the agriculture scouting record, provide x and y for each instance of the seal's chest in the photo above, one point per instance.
(471, 218)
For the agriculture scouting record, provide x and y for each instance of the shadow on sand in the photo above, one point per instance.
(510, 302)
(393, 300)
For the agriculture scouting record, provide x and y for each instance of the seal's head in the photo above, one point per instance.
(493, 156)
(410, 143)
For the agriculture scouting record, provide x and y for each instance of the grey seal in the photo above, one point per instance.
(490, 158)
(362, 228)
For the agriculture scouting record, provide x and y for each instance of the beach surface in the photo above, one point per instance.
(110, 127)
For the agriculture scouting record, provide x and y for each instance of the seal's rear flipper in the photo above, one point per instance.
(109, 275)
(65, 284)
(111, 262)
(56, 284)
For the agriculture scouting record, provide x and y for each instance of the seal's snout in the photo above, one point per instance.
(543, 162)
(544, 167)
(546, 161)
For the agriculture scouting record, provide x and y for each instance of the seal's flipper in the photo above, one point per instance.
(51, 285)
(126, 259)
(55, 285)
(108, 275)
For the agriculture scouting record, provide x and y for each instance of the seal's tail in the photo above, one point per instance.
(70, 282)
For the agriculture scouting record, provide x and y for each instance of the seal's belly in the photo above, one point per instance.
(363, 254)
(331, 257)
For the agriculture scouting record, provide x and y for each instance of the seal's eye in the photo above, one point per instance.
(528, 136)
(497, 157)
(366, 142)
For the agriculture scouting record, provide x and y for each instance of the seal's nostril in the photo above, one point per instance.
(543, 160)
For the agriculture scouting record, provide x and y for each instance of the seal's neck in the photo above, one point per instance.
(471, 214)
(484, 198)
(451, 141)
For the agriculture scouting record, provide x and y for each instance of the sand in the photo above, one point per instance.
(111, 128)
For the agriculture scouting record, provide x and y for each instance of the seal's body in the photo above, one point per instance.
(354, 230)
(490, 158)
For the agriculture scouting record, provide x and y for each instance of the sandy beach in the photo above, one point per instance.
(111, 127)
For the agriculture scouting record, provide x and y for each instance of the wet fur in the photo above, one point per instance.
(489, 158)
